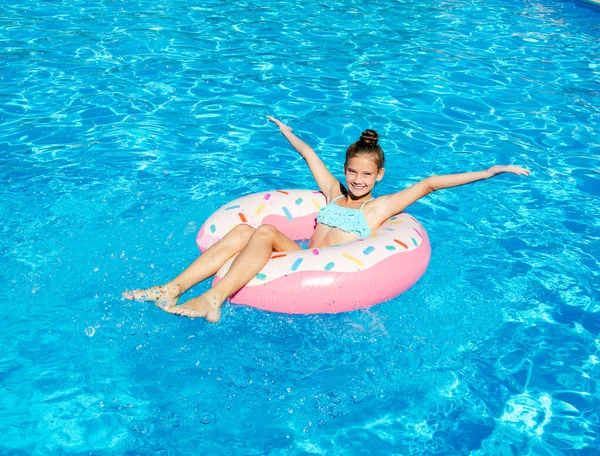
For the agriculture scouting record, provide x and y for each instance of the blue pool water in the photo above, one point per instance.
(123, 125)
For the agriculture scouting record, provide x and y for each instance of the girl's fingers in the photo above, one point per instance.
(520, 171)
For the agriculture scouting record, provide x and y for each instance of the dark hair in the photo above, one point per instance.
(367, 145)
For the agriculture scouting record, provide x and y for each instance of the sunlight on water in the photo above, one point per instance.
(123, 126)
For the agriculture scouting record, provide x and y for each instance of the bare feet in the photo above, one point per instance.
(206, 306)
(164, 297)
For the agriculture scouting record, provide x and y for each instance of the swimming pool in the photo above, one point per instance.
(124, 125)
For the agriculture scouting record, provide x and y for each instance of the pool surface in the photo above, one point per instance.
(124, 125)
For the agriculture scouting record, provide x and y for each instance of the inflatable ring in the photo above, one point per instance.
(332, 279)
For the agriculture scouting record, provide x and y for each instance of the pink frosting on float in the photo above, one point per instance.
(204, 240)
(299, 228)
(310, 292)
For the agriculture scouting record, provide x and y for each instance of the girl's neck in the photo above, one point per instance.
(359, 199)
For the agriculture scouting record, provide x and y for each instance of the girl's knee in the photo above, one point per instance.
(265, 231)
(241, 233)
(242, 229)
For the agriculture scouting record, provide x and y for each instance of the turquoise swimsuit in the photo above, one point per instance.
(346, 219)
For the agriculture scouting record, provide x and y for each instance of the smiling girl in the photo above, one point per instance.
(347, 216)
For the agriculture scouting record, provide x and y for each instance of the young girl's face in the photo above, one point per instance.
(361, 175)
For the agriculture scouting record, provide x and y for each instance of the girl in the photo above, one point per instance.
(346, 217)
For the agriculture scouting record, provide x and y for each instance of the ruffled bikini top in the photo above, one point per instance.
(346, 219)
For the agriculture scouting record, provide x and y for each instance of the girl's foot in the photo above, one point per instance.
(206, 306)
(164, 297)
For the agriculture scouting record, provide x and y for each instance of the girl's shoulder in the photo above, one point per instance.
(337, 190)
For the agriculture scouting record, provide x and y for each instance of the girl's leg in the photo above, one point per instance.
(265, 240)
(205, 266)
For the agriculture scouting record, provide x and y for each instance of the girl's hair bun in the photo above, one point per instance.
(369, 138)
(367, 144)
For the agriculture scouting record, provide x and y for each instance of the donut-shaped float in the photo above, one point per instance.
(333, 279)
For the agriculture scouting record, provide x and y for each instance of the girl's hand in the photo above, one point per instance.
(282, 127)
(498, 169)
(323, 177)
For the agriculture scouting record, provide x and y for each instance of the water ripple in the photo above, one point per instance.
(124, 125)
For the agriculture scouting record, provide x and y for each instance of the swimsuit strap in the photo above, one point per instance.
(363, 204)
(361, 207)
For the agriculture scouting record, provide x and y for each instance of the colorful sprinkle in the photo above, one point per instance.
(261, 276)
(390, 247)
(420, 235)
(394, 217)
(413, 219)
(315, 251)
(414, 241)
(353, 259)
(287, 213)
(281, 255)
(213, 228)
(242, 217)
(282, 191)
(401, 243)
(299, 201)
(316, 203)
(296, 264)
(316, 192)
(388, 229)
(260, 209)
(232, 207)
(267, 196)
(396, 222)
(329, 266)
(368, 250)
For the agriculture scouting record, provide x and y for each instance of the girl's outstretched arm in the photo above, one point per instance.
(392, 204)
(323, 177)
